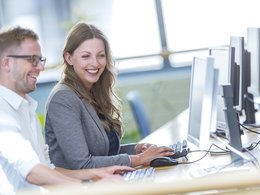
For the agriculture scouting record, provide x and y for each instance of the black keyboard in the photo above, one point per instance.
(139, 174)
(180, 149)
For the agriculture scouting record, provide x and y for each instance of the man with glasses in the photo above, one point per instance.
(34, 59)
(24, 160)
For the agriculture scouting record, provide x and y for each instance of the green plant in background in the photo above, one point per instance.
(131, 136)
(41, 119)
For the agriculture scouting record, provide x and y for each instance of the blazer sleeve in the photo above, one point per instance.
(63, 117)
(127, 148)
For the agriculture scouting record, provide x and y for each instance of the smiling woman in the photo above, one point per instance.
(83, 112)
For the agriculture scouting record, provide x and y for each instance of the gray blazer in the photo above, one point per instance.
(75, 135)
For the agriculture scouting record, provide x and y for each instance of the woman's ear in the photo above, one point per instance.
(67, 57)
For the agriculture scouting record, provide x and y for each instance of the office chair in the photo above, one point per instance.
(135, 102)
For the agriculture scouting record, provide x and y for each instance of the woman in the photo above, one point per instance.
(83, 121)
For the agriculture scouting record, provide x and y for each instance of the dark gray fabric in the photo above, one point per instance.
(75, 135)
(113, 143)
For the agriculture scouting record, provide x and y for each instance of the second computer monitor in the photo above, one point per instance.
(224, 61)
(202, 103)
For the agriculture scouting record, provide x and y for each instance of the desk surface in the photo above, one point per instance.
(176, 130)
(184, 178)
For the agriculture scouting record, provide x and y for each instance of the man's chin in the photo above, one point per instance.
(31, 89)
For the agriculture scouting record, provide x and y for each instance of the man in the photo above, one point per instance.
(24, 160)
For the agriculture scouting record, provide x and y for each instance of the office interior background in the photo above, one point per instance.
(153, 43)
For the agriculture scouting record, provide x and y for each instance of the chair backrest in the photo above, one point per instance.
(140, 116)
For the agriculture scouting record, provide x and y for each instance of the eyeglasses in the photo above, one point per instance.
(34, 59)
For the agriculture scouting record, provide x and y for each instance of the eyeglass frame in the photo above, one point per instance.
(34, 59)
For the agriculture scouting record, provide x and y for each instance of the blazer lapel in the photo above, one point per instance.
(92, 112)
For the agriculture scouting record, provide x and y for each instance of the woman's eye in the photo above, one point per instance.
(101, 56)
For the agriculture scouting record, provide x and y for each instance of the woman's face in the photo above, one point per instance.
(88, 61)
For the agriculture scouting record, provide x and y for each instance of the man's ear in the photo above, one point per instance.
(5, 63)
(67, 57)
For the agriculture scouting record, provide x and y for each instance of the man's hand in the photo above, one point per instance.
(110, 172)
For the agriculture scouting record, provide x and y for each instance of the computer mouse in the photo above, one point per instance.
(163, 161)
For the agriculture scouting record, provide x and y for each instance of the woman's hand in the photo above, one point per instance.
(150, 153)
(139, 148)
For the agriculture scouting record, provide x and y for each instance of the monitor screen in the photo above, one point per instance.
(201, 102)
(222, 61)
(253, 46)
(214, 106)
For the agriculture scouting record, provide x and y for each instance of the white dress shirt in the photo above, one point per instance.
(21, 141)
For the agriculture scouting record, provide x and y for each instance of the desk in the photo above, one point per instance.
(178, 179)
(170, 132)
(176, 130)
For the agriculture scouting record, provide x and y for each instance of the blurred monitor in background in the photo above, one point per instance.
(224, 61)
(253, 46)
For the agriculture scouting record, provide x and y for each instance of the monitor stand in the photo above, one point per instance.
(249, 109)
(232, 124)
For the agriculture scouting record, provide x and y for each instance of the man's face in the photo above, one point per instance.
(23, 74)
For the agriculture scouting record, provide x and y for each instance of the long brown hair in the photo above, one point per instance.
(101, 96)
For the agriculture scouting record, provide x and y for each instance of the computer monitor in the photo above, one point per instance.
(249, 106)
(224, 61)
(240, 58)
(202, 101)
(243, 59)
(253, 46)
(214, 106)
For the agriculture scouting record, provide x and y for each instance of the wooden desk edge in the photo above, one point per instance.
(221, 181)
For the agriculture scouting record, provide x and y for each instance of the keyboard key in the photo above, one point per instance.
(139, 174)
(180, 149)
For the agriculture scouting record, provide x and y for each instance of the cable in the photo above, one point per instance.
(251, 147)
(219, 133)
(248, 129)
(207, 151)
(252, 125)
(254, 144)
(255, 159)
(212, 152)
(251, 100)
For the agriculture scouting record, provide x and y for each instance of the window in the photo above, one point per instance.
(194, 25)
(132, 26)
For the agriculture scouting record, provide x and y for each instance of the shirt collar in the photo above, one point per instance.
(16, 100)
